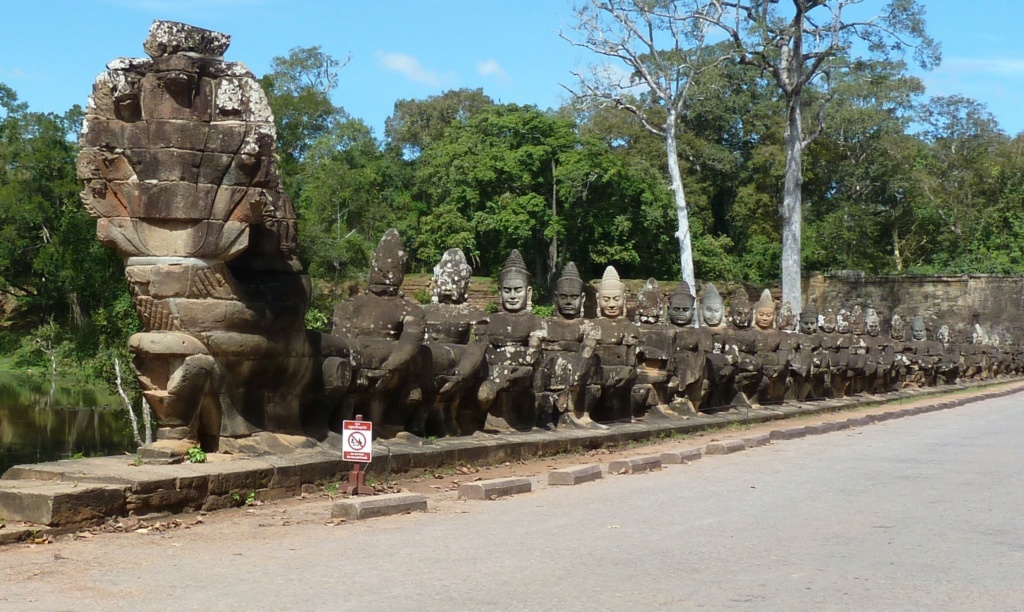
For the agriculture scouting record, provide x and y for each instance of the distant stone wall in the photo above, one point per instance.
(995, 302)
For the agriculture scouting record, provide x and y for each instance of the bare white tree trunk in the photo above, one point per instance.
(147, 421)
(682, 213)
(127, 404)
(791, 209)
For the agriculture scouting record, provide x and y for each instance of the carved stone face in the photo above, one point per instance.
(808, 322)
(680, 310)
(896, 329)
(843, 322)
(711, 312)
(569, 298)
(612, 303)
(515, 295)
(764, 317)
(648, 308)
(917, 330)
(872, 323)
(739, 315)
(828, 322)
(451, 278)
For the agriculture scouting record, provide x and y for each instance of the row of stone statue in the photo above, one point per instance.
(177, 165)
(448, 368)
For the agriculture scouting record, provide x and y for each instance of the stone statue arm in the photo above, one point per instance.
(471, 361)
(591, 335)
(409, 342)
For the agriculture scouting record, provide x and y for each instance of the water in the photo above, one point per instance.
(72, 420)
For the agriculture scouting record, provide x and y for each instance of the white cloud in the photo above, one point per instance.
(1005, 67)
(16, 73)
(491, 68)
(409, 66)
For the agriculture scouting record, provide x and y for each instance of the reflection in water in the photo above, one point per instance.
(39, 425)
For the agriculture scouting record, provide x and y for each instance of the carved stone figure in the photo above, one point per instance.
(513, 337)
(689, 359)
(459, 364)
(177, 160)
(680, 306)
(809, 320)
(385, 334)
(785, 320)
(569, 362)
(740, 310)
(616, 350)
(654, 371)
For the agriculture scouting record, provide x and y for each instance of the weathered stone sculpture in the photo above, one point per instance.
(764, 312)
(459, 364)
(384, 333)
(785, 320)
(689, 385)
(616, 351)
(655, 363)
(569, 362)
(712, 308)
(178, 165)
(514, 337)
(740, 310)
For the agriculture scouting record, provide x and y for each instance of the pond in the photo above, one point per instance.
(44, 422)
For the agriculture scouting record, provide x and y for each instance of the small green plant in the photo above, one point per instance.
(196, 455)
(422, 296)
(137, 461)
(331, 488)
(491, 307)
(250, 499)
(77, 456)
(544, 311)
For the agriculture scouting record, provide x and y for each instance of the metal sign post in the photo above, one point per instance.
(357, 448)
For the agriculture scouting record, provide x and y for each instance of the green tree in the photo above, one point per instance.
(417, 124)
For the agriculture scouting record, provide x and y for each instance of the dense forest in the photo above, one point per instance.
(895, 182)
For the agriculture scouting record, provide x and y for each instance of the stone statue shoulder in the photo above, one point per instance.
(503, 328)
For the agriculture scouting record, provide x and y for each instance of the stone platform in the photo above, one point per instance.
(65, 495)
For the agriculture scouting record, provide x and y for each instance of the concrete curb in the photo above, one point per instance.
(493, 489)
(575, 475)
(635, 465)
(358, 508)
(685, 455)
(725, 447)
(755, 441)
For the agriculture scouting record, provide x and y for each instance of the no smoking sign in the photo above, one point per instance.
(357, 441)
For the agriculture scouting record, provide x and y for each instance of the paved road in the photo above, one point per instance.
(922, 513)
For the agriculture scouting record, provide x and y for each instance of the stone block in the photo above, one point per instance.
(725, 447)
(755, 441)
(790, 433)
(635, 465)
(575, 475)
(60, 504)
(685, 455)
(492, 489)
(357, 508)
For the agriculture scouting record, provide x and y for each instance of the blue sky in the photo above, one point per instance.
(51, 50)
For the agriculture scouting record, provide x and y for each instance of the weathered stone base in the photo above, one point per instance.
(358, 508)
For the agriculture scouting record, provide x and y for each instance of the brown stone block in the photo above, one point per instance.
(114, 134)
(60, 503)
(238, 204)
(177, 134)
(204, 239)
(166, 164)
(176, 94)
(172, 200)
(205, 315)
(215, 167)
(102, 201)
(226, 137)
(96, 164)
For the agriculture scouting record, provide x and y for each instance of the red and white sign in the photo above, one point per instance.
(357, 441)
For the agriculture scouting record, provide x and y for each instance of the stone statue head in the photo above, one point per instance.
(739, 310)
(514, 284)
(387, 266)
(450, 284)
(569, 295)
(764, 311)
(828, 321)
(843, 321)
(918, 332)
(942, 334)
(712, 308)
(785, 319)
(648, 307)
(809, 319)
(857, 323)
(872, 322)
(896, 328)
(680, 305)
(611, 295)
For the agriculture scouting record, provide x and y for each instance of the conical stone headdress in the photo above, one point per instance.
(610, 280)
(387, 266)
(515, 268)
(710, 295)
(570, 278)
(683, 288)
(765, 301)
